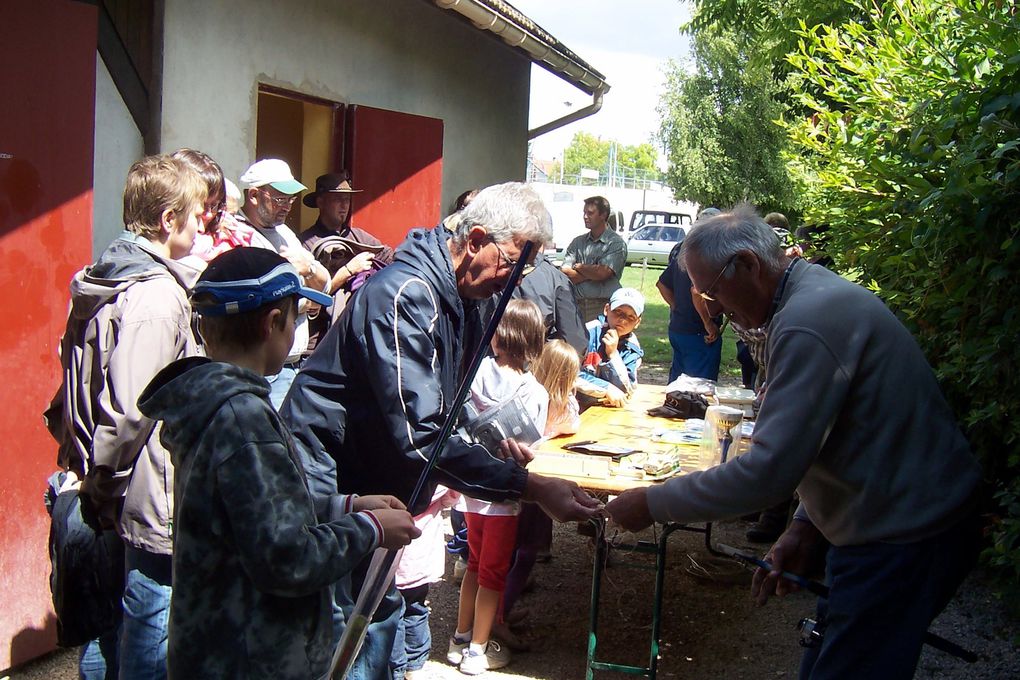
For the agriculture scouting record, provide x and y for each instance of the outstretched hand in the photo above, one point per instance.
(562, 500)
(796, 551)
(630, 510)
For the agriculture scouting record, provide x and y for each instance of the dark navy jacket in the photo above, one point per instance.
(374, 394)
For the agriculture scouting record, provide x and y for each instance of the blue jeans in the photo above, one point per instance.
(98, 658)
(692, 356)
(143, 638)
(279, 385)
(882, 599)
(413, 630)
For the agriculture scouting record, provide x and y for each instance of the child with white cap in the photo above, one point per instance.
(609, 369)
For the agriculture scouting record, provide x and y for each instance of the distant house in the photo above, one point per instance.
(421, 100)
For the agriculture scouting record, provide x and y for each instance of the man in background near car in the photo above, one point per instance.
(594, 261)
(694, 334)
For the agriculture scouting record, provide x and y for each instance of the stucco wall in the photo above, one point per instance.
(403, 55)
(118, 145)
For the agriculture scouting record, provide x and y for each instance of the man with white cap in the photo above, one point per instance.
(271, 192)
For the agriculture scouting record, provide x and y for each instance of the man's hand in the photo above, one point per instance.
(300, 259)
(314, 275)
(711, 332)
(562, 500)
(615, 397)
(610, 341)
(360, 263)
(511, 448)
(398, 528)
(796, 551)
(377, 502)
(630, 510)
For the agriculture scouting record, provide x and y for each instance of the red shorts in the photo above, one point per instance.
(491, 540)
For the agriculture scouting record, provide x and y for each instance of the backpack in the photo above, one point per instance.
(87, 577)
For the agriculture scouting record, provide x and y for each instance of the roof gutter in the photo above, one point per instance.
(515, 29)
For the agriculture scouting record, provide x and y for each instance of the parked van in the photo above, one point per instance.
(640, 218)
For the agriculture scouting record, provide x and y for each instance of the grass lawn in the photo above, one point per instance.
(655, 322)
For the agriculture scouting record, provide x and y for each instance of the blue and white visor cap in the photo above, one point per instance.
(244, 295)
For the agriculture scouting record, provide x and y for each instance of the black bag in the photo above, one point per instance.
(87, 581)
(681, 405)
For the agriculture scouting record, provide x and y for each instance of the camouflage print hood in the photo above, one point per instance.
(187, 394)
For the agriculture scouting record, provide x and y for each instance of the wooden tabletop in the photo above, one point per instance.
(629, 426)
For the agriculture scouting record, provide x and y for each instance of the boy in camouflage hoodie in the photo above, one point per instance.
(254, 556)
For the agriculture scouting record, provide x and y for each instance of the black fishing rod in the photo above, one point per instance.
(384, 562)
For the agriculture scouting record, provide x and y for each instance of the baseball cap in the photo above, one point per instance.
(275, 173)
(244, 279)
(630, 297)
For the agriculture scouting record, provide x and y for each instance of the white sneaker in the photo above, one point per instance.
(456, 651)
(459, 569)
(496, 655)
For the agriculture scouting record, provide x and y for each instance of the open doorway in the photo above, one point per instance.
(307, 132)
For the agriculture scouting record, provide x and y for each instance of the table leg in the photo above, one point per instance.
(596, 590)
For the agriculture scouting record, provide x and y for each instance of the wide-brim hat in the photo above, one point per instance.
(331, 183)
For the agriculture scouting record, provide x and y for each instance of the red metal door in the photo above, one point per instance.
(397, 159)
(47, 124)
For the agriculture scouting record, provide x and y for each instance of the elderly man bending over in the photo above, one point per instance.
(854, 420)
(374, 395)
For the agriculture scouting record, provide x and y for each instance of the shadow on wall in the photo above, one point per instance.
(20, 192)
(29, 643)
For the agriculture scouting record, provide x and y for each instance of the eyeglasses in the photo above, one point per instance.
(528, 268)
(707, 295)
(280, 202)
(506, 260)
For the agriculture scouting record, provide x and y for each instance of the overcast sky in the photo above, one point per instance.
(628, 42)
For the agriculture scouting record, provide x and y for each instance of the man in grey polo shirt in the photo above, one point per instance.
(594, 261)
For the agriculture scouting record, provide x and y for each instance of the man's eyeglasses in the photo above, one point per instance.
(510, 264)
(280, 201)
(707, 295)
(506, 260)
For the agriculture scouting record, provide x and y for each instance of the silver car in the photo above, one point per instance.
(652, 243)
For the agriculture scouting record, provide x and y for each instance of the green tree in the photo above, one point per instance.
(719, 128)
(913, 157)
(767, 29)
(586, 151)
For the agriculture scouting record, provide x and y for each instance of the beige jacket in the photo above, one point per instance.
(129, 317)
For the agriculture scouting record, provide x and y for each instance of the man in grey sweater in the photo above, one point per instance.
(854, 420)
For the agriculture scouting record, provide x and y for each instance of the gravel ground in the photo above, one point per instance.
(710, 627)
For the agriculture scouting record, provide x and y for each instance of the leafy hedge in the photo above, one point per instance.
(912, 156)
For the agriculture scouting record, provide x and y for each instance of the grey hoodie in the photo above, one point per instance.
(129, 318)
(252, 562)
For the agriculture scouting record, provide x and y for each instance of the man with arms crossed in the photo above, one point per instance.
(594, 261)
